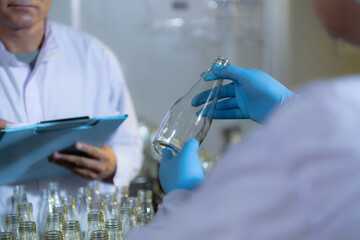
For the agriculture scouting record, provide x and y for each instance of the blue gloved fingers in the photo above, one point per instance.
(202, 74)
(205, 111)
(235, 113)
(190, 146)
(211, 77)
(227, 104)
(167, 154)
(205, 96)
(238, 74)
(190, 165)
(184, 170)
(226, 91)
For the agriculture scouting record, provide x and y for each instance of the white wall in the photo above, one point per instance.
(301, 50)
(159, 68)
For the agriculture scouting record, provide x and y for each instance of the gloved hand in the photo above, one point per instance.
(182, 171)
(252, 95)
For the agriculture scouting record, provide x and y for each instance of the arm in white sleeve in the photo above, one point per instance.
(297, 178)
(125, 142)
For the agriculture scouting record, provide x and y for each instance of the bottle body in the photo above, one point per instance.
(27, 231)
(71, 230)
(6, 236)
(185, 120)
(113, 228)
(95, 223)
(12, 222)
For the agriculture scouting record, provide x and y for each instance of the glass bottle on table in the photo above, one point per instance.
(19, 196)
(53, 235)
(126, 221)
(71, 230)
(82, 199)
(12, 222)
(70, 201)
(46, 207)
(113, 228)
(185, 121)
(27, 231)
(25, 210)
(6, 236)
(54, 222)
(143, 219)
(99, 235)
(95, 222)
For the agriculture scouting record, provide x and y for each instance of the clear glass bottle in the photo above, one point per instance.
(82, 198)
(53, 235)
(145, 202)
(143, 219)
(126, 221)
(113, 228)
(70, 201)
(111, 210)
(71, 230)
(61, 209)
(96, 205)
(25, 210)
(54, 222)
(15, 200)
(6, 236)
(95, 222)
(46, 207)
(94, 187)
(53, 188)
(19, 195)
(12, 222)
(184, 121)
(27, 231)
(99, 235)
(133, 204)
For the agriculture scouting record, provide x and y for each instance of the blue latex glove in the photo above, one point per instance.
(182, 171)
(252, 95)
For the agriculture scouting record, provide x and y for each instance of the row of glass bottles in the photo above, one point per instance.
(67, 217)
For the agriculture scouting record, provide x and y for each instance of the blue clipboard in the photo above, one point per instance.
(24, 151)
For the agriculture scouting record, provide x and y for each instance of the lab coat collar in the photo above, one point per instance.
(49, 49)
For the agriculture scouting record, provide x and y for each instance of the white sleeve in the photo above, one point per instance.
(125, 143)
(297, 178)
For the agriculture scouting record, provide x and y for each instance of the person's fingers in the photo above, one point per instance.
(229, 114)
(211, 77)
(167, 154)
(90, 150)
(3, 124)
(238, 74)
(229, 103)
(191, 145)
(225, 91)
(68, 160)
(85, 173)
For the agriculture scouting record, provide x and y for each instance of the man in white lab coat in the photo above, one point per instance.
(50, 71)
(297, 177)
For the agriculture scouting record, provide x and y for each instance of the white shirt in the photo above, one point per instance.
(75, 75)
(297, 178)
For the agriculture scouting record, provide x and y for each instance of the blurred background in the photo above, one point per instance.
(164, 45)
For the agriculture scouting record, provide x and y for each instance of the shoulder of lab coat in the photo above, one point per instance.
(295, 178)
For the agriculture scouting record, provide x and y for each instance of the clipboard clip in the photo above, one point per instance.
(73, 123)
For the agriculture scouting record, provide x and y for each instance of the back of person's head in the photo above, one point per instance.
(340, 17)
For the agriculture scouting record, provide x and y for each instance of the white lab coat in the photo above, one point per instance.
(297, 178)
(75, 75)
